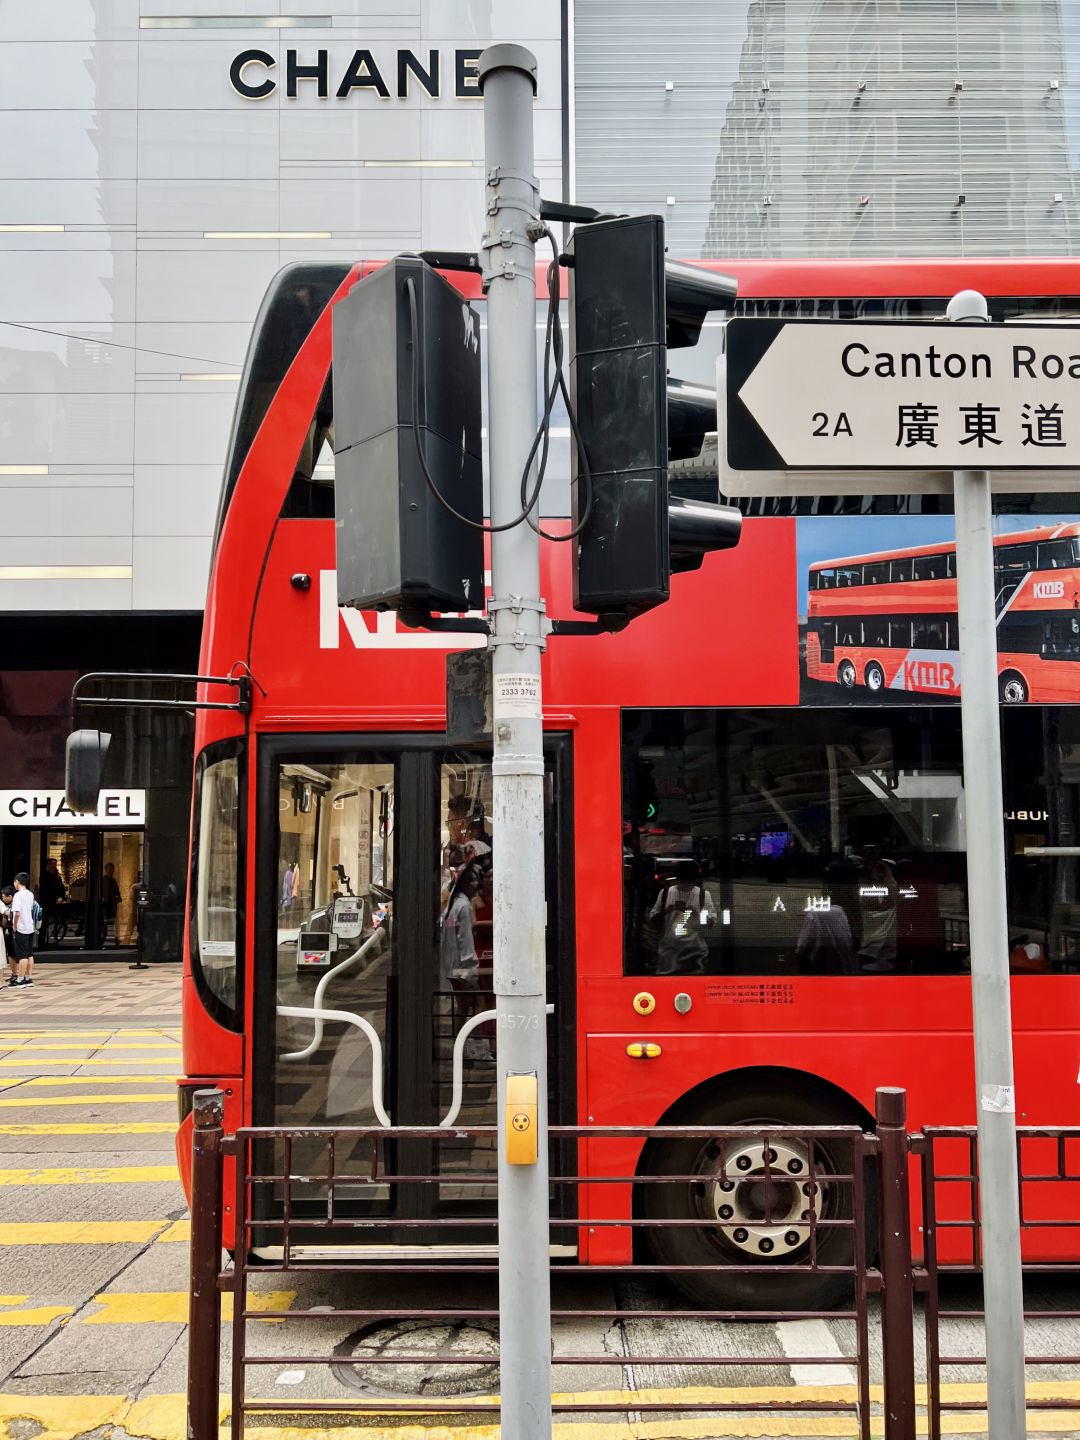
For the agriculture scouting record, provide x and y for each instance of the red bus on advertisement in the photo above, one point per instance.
(772, 892)
(888, 621)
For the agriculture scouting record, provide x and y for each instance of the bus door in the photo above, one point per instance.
(375, 970)
(828, 642)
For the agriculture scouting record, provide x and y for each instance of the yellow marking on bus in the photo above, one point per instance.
(60, 1127)
(179, 1232)
(40, 1315)
(37, 1101)
(92, 1175)
(37, 1080)
(82, 1232)
(170, 1307)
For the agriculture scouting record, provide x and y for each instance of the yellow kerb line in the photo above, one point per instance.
(82, 1034)
(23, 1055)
(60, 1127)
(82, 1232)
(92, 1175)
(93, 1080)
(35, 1049)
(166, 1097)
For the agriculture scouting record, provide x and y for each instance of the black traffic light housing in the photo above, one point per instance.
(628, 307)
(398, 548)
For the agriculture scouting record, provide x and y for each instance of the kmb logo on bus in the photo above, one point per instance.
(379, 630)
(1049, 589)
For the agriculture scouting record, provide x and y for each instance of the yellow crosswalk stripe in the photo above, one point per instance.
(38, 1080)
(81, 1034)
(170, 1307)
(91, 1175)
(82, 1232)
(21, 1059)
(166, 1096)
(179, 1233)
(34, 1315)
(169, 1047)
(61, 1127)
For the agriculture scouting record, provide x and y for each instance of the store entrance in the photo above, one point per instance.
(86, 882)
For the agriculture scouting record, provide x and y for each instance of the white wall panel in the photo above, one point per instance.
(198, 205)
(62, 510)
(69, 75)
(65, 595)
(189, 69)
(176, 499)
(238, 144)
(188, 428)
(343, 133)
(68, 144)
(67, 202)
(35, 362)
(369, 202)
(64, 288)
(27, 20)
(223, 283)
(66, 429)
(170, 572)
(74, 550)
(184, 347)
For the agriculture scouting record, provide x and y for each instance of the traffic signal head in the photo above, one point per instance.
(628, 307)
(397, 546)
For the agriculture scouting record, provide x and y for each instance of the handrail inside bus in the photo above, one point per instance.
(458, 1067)
(320, 991)
(346, 1017)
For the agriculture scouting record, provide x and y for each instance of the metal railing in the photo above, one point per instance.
(340, 1202)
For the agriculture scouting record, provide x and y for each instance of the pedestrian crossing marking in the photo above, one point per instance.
(83, 1232)
(21, 1059)
(92, 1175)
(168, 1096)
(59, 1127)
(83, 1034)
(38, 1080)
(170, 1307)
(36, 1315)
(179, 1232)
(105, 1044)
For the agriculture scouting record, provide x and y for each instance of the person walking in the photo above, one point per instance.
(7, 940)
(23, 926)
(111, 900)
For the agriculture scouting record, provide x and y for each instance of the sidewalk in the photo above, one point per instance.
(70, 994)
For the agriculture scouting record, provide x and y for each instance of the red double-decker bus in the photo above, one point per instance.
(888, 621)
(771, 892)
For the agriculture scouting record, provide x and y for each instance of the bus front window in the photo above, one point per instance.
(215, 877)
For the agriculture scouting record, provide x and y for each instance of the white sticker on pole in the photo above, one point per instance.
(999, 1099)
(517, 695)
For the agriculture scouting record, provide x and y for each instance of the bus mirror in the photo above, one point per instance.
(84, 765)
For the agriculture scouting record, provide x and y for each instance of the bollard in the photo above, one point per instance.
(204, 1304)
(897, 1295)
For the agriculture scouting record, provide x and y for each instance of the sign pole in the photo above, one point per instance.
(989, 936)
(507, 76)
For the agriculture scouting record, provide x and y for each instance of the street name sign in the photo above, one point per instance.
(827, 396)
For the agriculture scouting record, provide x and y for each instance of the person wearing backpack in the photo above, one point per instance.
(25, 913)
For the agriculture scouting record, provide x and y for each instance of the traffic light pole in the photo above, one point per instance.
(507, 76)
(1003, 1284)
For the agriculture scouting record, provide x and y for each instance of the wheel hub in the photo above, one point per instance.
(763, 1198)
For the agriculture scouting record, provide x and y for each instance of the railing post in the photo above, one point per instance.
(204, 1304)
(897, 1296)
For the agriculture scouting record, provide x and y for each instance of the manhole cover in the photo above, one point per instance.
(442, 1340)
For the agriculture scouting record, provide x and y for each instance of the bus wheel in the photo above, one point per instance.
(1013, 688)
(846, 675)
(731, 1188)
(875, 676)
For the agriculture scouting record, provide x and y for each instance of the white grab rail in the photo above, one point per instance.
(346, 1017)
(458, 1068)
(320, 991)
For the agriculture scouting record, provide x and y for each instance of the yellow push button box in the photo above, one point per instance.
(521, 1120)
(644, 1003)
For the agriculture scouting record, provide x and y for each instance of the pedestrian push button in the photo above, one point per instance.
(521, 1120)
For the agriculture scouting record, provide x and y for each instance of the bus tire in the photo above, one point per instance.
(846, 675)
(1013, 688)
(875, 677)
(755, 1105)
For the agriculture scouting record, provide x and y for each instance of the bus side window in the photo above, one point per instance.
(877, 574)
(215, 878)
(901, 569)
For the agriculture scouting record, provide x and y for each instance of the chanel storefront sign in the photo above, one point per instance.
(48, 808)
(396, 74)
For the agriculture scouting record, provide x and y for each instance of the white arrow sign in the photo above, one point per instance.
(897, 396)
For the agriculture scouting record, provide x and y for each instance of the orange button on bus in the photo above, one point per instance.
(644, 1003)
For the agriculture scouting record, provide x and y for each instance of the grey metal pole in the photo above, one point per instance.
(1003, 1286)
(508, 80)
